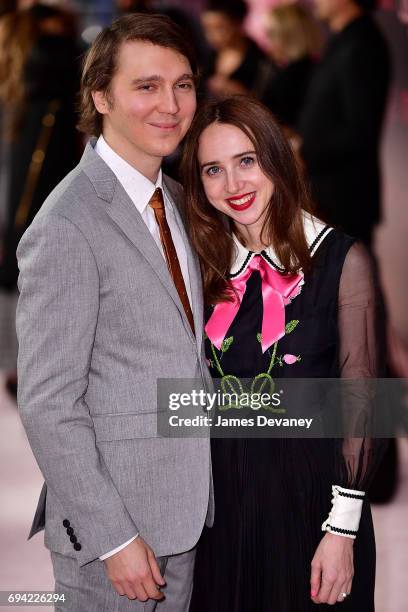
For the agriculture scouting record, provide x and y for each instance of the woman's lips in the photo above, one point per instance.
(241, 202)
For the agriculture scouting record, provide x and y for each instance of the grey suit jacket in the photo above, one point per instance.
(98, 321)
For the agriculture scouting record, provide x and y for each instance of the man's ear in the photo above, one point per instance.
(101, 102)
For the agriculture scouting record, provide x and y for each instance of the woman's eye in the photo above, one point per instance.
(213, 170)
(246, 162)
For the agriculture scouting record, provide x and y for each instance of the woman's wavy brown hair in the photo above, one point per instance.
(210, 230)
(100, 62)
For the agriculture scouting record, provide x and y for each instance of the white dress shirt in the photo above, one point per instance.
(140, 189)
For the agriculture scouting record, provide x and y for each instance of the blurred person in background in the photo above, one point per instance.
(38, 84)
(340, 125)
(294, 43)
(176, 14)
(236, 65)
(181, 15)
(8, 340)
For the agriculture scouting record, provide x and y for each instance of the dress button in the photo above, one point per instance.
(66, 523)
(70, 531)
(73, 539)
(77, 546)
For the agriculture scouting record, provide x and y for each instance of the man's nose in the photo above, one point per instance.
(168, 102)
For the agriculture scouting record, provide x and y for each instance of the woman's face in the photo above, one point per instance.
(275, 43)
(232, 178)
(219, 29)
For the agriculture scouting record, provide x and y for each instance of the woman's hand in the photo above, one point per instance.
(332, 569)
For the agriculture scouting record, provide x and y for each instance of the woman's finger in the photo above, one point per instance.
(343, 589)
(335, 592)
(315, 579)
(349, 586)
(325, 590)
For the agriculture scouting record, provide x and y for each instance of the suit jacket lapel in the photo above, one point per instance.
(123, 212)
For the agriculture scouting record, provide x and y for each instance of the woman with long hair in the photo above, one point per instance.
(286, 296)
(294, 44)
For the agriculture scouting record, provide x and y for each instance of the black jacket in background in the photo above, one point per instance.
(341, 126)
(286, 92)
(253, 73)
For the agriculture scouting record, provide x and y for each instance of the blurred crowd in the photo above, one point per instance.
(323, 69)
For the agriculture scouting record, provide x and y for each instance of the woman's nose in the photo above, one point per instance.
(233, 183)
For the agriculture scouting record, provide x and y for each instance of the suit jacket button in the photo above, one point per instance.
(73, 539)
(66, 523)
(77, 546)
(70, 531)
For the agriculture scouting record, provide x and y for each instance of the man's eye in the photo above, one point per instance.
(145, 87)
(186, 86)
(247, 161)
(213, 170)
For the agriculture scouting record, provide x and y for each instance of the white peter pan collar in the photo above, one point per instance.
(315, 232)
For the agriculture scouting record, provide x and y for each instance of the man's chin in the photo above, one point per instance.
(166, 148)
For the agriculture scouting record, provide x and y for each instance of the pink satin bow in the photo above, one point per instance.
(277, 291)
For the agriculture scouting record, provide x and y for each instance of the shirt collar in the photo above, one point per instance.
(315, 232)
(139, 188)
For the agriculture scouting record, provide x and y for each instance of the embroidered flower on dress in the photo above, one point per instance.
(290, 359)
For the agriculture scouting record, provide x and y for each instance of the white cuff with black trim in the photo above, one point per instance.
(344, 517)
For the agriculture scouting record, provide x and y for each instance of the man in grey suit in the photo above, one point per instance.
(104, 311)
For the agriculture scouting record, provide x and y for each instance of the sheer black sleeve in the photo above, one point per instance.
(362, 357)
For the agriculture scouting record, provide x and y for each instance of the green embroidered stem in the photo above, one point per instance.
(219, 368)
(265, 378)
(272, 362)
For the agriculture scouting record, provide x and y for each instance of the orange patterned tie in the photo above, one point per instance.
(157, 203)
